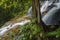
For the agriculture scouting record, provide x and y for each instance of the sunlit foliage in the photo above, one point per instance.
(11, 8)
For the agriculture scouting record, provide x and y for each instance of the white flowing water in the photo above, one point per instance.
(7, 28)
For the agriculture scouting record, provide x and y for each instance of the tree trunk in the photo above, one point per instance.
(36, 10)
(37, 5)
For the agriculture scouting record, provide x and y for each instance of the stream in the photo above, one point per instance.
(3, 30)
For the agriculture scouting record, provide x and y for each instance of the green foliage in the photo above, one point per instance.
(29, 31)
(54, 33)
(11, 8)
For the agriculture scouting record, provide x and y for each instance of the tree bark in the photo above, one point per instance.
(36, 10)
